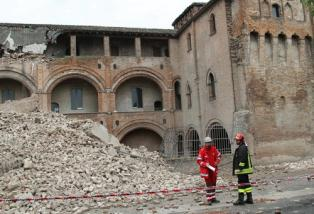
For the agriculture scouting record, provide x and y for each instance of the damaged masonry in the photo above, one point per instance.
(226, 66)
(138, 82)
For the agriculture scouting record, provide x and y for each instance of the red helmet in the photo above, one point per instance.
(239, 136)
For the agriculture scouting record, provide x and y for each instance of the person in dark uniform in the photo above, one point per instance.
(242, 167)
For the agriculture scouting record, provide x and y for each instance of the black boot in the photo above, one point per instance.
(215, 200)
(240, 200)
(249, 199)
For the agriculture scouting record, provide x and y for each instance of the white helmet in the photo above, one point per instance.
(207, 140)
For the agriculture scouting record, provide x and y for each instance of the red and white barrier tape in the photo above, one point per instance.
(165, 191)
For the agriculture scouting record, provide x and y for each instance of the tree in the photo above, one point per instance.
(310, 5)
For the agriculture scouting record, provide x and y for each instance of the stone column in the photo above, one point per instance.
(111, 104)
(101, 101)
(44, 102)
(138, 49)
(109, 101)
(167, 100)
(106, 45)
(73, 45)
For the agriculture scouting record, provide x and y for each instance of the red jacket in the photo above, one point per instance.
(209, 156)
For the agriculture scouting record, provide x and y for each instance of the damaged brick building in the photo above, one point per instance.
(227, 65)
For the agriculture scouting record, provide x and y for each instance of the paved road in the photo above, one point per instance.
(288, 197)
(299, 204)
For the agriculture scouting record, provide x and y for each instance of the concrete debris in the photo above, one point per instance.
(35, 48)
(29, 104)
(61, 158)
(27, 164)
(100, 132)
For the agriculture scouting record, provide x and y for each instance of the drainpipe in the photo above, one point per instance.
(197, 82)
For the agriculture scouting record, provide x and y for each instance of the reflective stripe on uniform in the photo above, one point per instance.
(203, 174)
(248, 190)
(242, 164)
(243, 171)
(211, 198)
(241, 190)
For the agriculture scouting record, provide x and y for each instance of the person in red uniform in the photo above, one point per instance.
(208, 159)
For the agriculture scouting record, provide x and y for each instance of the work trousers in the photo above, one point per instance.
(211, 186)
(244, 184)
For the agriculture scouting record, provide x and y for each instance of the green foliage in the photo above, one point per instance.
(309, 4)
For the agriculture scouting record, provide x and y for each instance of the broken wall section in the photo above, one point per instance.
(23, 39)
(26, 105)
(16, 40)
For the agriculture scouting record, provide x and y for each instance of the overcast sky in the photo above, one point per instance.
(117, 13)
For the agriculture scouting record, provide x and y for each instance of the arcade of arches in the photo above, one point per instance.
(138, 94)
(11, 89)
(74, 96)
(143, 137)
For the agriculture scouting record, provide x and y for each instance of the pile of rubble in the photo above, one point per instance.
(29, 104)
(52, 155)
(291, 166)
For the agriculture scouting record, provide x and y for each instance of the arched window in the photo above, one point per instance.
(254, 47)
(308, 46)
(212, 24)
(265, 8)
(180, 144)
(282, 48)
(220, 137)
(276, 10)
(55, 107)
(177, 91)
(193, 141)
(188, 96)
(158, 105)
(295, 46)
(268, 47)
(211, 86)
(288, 11)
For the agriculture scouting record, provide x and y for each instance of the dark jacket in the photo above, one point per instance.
(242, 163)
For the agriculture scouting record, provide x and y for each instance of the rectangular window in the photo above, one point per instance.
(76, 98)
(276, 10)
(180, 146)
(7, 94)
(137, 99)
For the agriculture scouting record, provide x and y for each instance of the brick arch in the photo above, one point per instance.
(220, 136)
(175, 79)
(139, 72)
(210, 122)
(139, 124)
(77, 72)
(18, 76)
